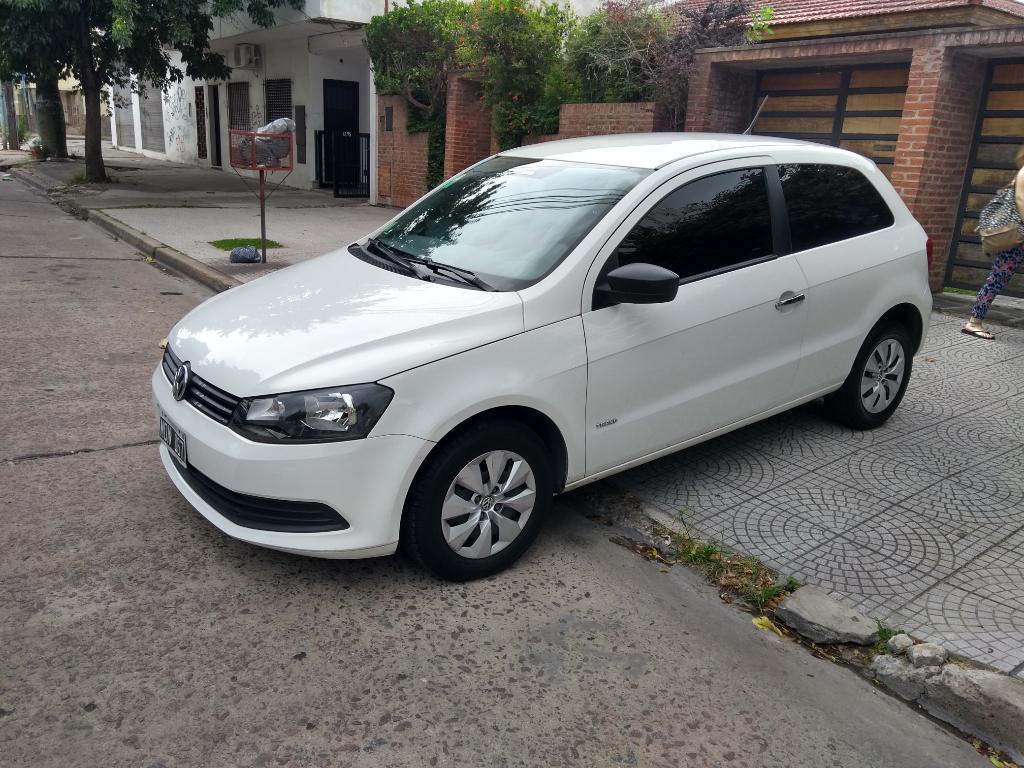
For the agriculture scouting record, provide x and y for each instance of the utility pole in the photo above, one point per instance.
(10, 118)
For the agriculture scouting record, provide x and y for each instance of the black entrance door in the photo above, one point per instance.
(341, 132)
(215, 157)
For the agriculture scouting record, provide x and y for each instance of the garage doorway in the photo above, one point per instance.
(856, 108)
(997, 137)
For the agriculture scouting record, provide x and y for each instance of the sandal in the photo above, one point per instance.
(978, 333)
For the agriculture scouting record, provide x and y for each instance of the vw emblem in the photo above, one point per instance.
(180, 384)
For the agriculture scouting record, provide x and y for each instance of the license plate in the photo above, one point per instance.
(174, 439)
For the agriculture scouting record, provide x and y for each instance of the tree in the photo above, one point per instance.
(25, 42)
(719, 23)
(615, 49)
(517, 47)
(414, 49)
(107, 42)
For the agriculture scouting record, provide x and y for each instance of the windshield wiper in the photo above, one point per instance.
(424, 268)
(463, 274)
(389, 254)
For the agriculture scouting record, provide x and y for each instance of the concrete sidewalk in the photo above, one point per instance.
(172, 212)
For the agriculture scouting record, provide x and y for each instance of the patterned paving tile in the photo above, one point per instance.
(919, 523)
(973, 499)
(856, 574)
(997, 574)
(875, 471)
(781, 524)
(711, 481)
(929, 450)
(973, 626)
(789, 443)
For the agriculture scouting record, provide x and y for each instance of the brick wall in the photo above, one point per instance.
(939, 113)
(401, 156)
(933, 149)
(467, 137)
(720, 100)
(598, 119)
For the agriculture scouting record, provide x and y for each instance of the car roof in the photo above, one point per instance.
(646, 150)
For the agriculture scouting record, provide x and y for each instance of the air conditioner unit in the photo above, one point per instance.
(245, 56)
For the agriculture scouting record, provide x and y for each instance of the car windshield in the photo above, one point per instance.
(510, 220)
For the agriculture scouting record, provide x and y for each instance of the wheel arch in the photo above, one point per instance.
(536, 420)
(909, 316)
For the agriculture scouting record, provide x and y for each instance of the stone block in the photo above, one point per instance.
(823, 619)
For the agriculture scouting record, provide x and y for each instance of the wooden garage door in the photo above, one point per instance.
(857, 108)
(999, 134)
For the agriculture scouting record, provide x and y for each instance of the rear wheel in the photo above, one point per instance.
(878, 380)
(479, 501)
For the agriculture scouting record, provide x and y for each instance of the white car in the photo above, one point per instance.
(550, 316)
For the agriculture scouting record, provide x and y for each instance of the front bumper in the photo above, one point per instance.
(365, 481)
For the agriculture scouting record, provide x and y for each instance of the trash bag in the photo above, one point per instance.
(245, 254)
(269, 150)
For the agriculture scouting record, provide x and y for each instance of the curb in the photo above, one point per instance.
(172, 259)
(163, 254)
(977, 701)
(30, 180)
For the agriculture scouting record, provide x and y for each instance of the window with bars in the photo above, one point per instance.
(278, 98)
(201, 121)
(238, 106)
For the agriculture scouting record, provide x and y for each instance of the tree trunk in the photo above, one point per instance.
(50, 117)
(94, 168)
(11, 118)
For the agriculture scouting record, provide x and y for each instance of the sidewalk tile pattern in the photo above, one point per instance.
(919, 524)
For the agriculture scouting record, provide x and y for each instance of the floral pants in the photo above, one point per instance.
(1002, 270)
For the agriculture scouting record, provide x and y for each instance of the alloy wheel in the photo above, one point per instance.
(883, 376)
(488, 504)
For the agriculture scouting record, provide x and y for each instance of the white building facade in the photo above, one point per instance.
(311, 66)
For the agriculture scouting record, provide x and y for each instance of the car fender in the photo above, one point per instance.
(544, 369)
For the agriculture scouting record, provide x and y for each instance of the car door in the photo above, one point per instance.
(726, 348)
(837, 223)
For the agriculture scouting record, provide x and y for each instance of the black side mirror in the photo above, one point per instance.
(638, 284)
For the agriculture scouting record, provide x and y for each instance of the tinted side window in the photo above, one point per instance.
(712, 223)
(828, 203)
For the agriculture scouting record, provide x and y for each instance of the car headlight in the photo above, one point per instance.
(319, 415)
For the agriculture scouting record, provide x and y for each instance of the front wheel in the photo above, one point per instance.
(878, 380)
(479, 501)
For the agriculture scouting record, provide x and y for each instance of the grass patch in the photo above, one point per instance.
(231, 243)
(885, 632)
(740, 575)
(960, 291)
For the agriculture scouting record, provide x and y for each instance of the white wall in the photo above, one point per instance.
(180, 128)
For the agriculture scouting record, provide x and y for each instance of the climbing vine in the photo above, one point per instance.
(413, 49)
(516, 48)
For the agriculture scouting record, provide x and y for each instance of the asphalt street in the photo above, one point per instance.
(134, 634)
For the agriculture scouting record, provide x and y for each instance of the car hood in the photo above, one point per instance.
(335, 320)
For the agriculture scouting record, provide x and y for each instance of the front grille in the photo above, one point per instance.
(201, 394)
(261, 513)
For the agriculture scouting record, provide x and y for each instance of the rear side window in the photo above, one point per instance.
(708, 225)
(829, 203)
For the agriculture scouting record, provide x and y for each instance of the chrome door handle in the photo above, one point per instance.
(790, 301)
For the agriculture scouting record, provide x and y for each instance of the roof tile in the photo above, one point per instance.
(796, 11)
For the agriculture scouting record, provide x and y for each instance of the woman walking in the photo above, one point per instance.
(1002, 235)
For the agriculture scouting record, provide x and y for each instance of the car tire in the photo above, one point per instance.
(878, 380)
(459, 522)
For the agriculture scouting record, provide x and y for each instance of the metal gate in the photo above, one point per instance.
(998, 135)
(856, 108)
(151, 116)
(123, 117)
(343, 162)
(239, 115)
